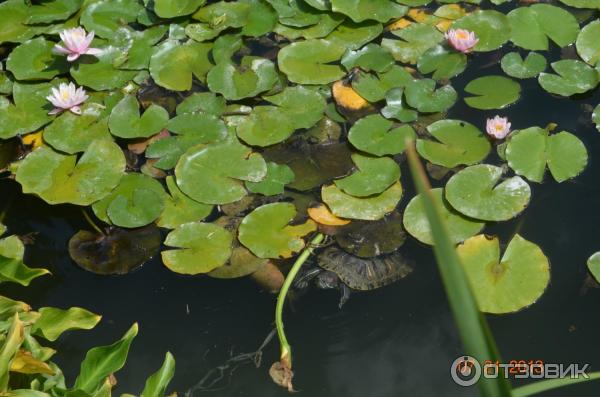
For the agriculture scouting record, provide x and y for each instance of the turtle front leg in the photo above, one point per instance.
(345, 292)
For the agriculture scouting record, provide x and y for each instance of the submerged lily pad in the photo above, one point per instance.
(475, 192)
(311, 61)
(459, 227)
(509, 284)
(530, 150)
(513, 65)
(34, 60)
(368, 239)
(490, 26)
(492, 92)
(573, 77)
(373, 176)
(265, 231)
(366, 208)
(119, 251)
(374, 134)
(125, 120)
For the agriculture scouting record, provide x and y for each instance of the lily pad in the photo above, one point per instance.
(374, 88)
(530, 150)
(476, 193)
(373, 176)
(125, 120)
(173, 64)
(416, 40)
(267, 234)
(278, 175)
(366, 208)
(370, 57)
(136, 47)
(509, 284)
(361, 10)
(206, 102)
(51, 11)
(180, 209)
(213, 174)
(34, 60)
(202, 247)
(13, 19)
(423, 96)
(531, 27)
(458, 143)
(491, 27)
(587, 43)
(458, 226)
(104, 17)
(99, 72)
(374, 134)
(573, 77)
(310, 61)
(29, 111)
(443, 62)
(492, 92)
(119, 251)
(60, 178)
(353, 35)
(593, 264)
(368, 239)
(513, 65)
(254, 17)
(176, 8)
(255, 75)
(396, 108)
(137, 201)
(304, 107)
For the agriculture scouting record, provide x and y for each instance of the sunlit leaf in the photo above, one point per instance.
(492, 92)
(53, 322)
(366, 208)
(513, 65)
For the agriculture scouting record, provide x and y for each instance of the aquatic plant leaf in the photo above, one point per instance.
(241, 263)
(476, 193)
(362, 10)
(509, 284)
(29, 111)
(213, 174)
(267, 234)
(416, 39)
(194, 240)
(176, 8)
(180, 209)
(136, 46)
(396, 108)
(137, 201)
(254, 17)
(513, 65)
(53, 322)
(492, 92)
(582, 3)
(255, 75)
(423, 96)
(99, 72)
(15, 271)
(573, 77)
(51, 11)
(13, 19)
(373, 176)
(34, 60)
(265, 126)
(587, 43)
(323, 216)
(156, 384)
(71, 133)
(6, 84)
(490, 26)
(104, 17)
(168, 150)
(102, 361)
(11, 343)
(311, 61)
(530, 150)
(352, 35)
(443, 62)
(457, 143)
(59, 178)
(326, 24)
(375, 87)
(173, 64)
(125, 120)
(304, 107)
(119, 251)
(278, 175)
(368, 239)
(366, 208)
(596, 116)
(203, 102)
(369, 58)
(459, 227)
(531, 27)
(374, 134)
(593, 264)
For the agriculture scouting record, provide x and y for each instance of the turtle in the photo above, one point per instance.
(338, 269)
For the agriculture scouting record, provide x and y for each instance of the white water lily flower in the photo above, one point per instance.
(462, 40)
(76, 43)
(67, 97)
(498, 127)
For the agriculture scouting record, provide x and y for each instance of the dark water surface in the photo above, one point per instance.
(396, 341)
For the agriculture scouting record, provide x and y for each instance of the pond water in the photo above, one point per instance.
(398, 340)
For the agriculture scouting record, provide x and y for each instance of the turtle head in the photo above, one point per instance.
(327, 280)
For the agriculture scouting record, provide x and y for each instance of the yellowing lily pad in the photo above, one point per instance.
(323, 216)
(366, 208)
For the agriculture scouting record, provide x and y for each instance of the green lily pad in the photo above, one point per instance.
(593, 264)
(352, 35)
(60, 178)
(573, 77)
(373, 176)
(509, 284)
(180, 209)
(213, 174)
(176, 8)
(267, 234)
(492, 92)
(368, 239)
(72, 133)
(99, 72)
(303, 107)
(458, 226)
(375, 87)
(136, 47)
(374, 134)
(531, 27)
(207, 102)
(491, 27)
(582, 3)
(265, 126)
(326, 24)
(196, 240)
(207, 127)
(137, 201)
(104, 17)
(476, 193)
(310, 61)
(370, 57)
(173, 64)
(29, 111)
(278, 175)
(416, 40)
(366, 208)
(253, 76)
(362, 10)
(51, 11)
(254, 17)
(423, 96)
(443, 62)
(530, 150)
(13, 19)
(34, 60)
(395, 107)
(587, 43)
(596, 116)
(457, 143)
(513, 65)
(125, 120)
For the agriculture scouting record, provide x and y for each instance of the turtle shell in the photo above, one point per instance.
(364, 273)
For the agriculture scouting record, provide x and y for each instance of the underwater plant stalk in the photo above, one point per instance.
(286, 349)
(91, 222)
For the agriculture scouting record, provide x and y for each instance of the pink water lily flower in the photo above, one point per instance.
(462, 40)
(498, 127)
(76, 43)
(67, 97)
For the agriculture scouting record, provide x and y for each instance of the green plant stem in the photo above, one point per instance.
(286, 349)
(91, 222)
(550, 384)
